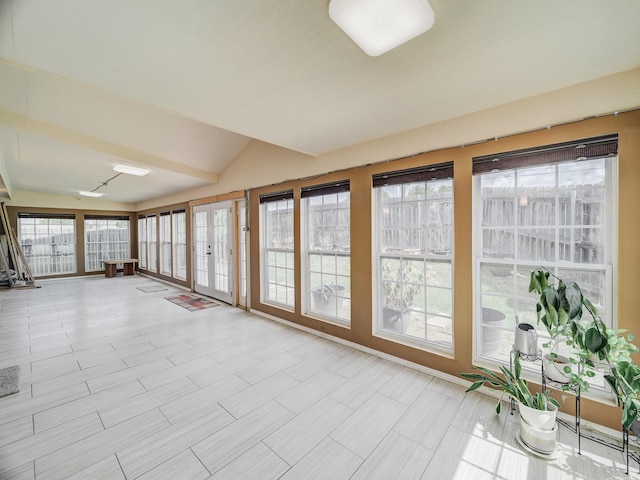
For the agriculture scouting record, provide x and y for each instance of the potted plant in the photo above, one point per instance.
(537, 411)
(401, 283)
(560, 308)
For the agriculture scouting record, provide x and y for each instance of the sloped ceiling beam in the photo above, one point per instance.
(72, 137)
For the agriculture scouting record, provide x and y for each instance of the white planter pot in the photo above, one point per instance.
(538, 440)
(540, 419)
(554, 368)
(538, 429)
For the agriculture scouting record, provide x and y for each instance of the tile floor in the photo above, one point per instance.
(121, 384)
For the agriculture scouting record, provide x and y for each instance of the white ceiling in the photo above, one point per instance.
(183, 87)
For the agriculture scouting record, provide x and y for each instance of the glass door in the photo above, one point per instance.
(213, 253)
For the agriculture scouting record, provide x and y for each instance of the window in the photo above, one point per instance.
(105, 238)
(165, 243)
(142, 242)
(278, 277)
(179, 244)
(328, 245)
(152, 244)
(414, 235)
(552, 207)
(48, 242)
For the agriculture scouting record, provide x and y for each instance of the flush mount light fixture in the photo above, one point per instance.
(90, 194)
(128, 169)
(120, 168)
(378, 26)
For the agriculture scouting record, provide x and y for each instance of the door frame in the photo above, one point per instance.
(210, 290)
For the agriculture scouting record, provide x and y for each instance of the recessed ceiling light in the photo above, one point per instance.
(378, 26)
(90, 194)
(128, 169)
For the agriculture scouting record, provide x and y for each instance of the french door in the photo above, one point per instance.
(213, 250)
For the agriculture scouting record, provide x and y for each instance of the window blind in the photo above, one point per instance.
(410, 175)
(63, 216)
(276, 196)
(106, 217)
(585, 149)
(325, 189)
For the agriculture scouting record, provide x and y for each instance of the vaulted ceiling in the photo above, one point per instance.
(183, 87)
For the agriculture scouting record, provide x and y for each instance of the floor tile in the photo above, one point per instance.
(27, 449)
(224, 446)
(395, 457)
(257, 463)
(305, 394)
(184, 465)
(300, 435)
(81, 406)
(360, 387)
(24, 472)
(127, 374)
(163, 376)
(95, 448)
(428, 419)
(267, 368)
(362, 432)
(147, 453)
(328, 461)
(16, 430)
(405, 385)
(257, 395)
(107, 469)
(118, 412)
(199, 399)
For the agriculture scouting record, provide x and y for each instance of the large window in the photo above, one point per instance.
(179, 219)
(142, 242)
(414, 236)
(552, 207)
(277, 236)
(165, 243)
(152, 243)
(48, 243)
(328, 245)
(105, 238)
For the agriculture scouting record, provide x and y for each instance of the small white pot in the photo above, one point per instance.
(543, 441)
(554, 368)
(540, 419)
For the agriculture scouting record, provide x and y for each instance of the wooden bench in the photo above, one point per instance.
(111, 267)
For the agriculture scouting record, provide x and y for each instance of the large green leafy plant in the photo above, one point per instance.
(561, 309)
(512, 384)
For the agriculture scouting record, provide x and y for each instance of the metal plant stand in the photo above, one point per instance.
(575, 428)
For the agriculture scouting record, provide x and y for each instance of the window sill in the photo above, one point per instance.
(280, 306)
(331, 320)
(436, 349)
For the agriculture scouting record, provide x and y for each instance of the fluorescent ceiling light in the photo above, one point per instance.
(378, 26)
(89, 194)
(128, 169)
